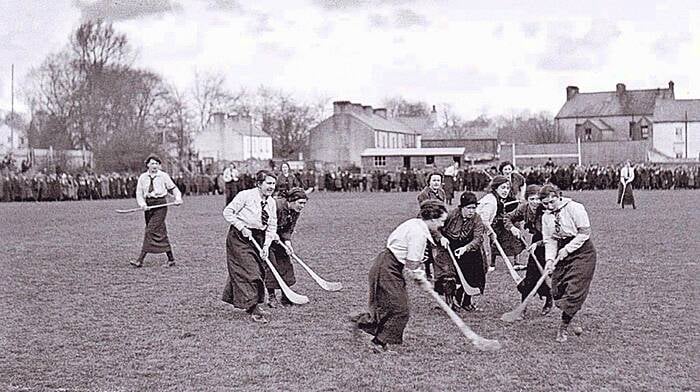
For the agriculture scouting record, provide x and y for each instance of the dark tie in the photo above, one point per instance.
(150, 186)
(264, 216)
(557, 223)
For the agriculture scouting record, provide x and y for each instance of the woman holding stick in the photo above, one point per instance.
(569, 251)
(492, 208)
(530, 213)
(388, 312)
(151, 189)
(464, 230)
(253, 216)
(288, 210)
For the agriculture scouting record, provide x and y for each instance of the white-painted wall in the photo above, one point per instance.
(669, 139)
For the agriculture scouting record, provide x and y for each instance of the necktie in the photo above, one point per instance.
(264, 216)
(151, 186)
(557, 223)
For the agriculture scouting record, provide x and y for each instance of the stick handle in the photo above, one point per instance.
(506, 260)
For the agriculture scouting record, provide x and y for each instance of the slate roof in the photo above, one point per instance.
(609, 103)
(380, 123)
(668, 110)
(480, 133)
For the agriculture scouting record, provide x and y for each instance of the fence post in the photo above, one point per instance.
(513, 151)
(578, 145)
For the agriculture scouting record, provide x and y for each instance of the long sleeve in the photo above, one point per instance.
(515, 216)
(140, 192)
(271, 231)
(550, 243)
(487, 209)
(171, 187)
(233, 208)
(478, 232)
(583, 226)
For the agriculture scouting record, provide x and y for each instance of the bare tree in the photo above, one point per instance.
(210, 95)
(399, 106)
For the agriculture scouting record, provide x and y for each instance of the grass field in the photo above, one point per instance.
(76, 316)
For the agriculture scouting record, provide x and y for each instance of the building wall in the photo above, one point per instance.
(261, 147)
(11, 139)
(341, 139)
(669, 139)
(489, 146)
(394, 163)
(603, 153)
(620, 124)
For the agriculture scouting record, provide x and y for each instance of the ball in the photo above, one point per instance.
(578, 330)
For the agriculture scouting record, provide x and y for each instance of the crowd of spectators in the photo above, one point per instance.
(24, 184)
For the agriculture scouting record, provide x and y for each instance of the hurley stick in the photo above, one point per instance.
(506, 260)
(517, 313)
(479, 342)
(147, 208)
(291, 295)
(465, 286)
(328, 286)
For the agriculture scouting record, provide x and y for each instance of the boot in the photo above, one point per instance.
(547, 306)
(272, 301)
(563, 333)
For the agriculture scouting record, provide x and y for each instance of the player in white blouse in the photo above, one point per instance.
(388, 313)
(252, 215)
(569, 251)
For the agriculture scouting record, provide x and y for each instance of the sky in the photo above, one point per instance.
(481, 57)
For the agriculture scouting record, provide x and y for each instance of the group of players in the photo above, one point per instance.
(455, 248)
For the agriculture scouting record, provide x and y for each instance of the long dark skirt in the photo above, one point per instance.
(155, 238)
(283, 264)
(572, 277)
(628, 197)
(533, 274)
(449, 188)
(245, 285)
(387, 312)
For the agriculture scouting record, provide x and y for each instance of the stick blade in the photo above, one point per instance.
(297, 298)
(484, 344)
(332, 286)
(512, 316)
(124, 211)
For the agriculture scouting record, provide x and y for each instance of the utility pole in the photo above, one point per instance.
(12, 108)
(686, 134)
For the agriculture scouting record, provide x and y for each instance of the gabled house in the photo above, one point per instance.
(232, 138)
(609, 115)
(353, 127)
(676, 134)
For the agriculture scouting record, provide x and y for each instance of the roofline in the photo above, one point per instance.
(627, 91)
(410, 131)
(445, 140)
(676, 121)
(606, 115)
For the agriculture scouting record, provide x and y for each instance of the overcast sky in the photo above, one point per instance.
(490, 57)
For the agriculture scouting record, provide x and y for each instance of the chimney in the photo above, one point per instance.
(570, 92)
(341, 107)
(356, 108)
(367, 109)
(433, 118)
(620, 88)
(381, 112)
(670, 89)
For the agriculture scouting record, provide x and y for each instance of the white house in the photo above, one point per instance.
(232, 138)
(11, 139)
(676, 132)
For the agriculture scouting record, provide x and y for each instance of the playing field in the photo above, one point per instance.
(76, 316)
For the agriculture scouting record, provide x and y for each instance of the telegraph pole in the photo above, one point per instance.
(12, 109)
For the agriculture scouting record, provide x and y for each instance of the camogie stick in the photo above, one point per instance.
(479, 342)
(517, 313)
(465, 286)
(622, 196)
(291, 295)
(506, 260)
(328, 286)
(547, 280)
(147, 208)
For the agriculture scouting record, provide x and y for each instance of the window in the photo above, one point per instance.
(588, 134)
(679, 134)
(645, 132)
(429, 160)
(679, 155)
(379, 161)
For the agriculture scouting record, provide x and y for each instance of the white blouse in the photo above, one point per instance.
(408, 241)
(245, 210)
(568, 221)
(487, 208)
